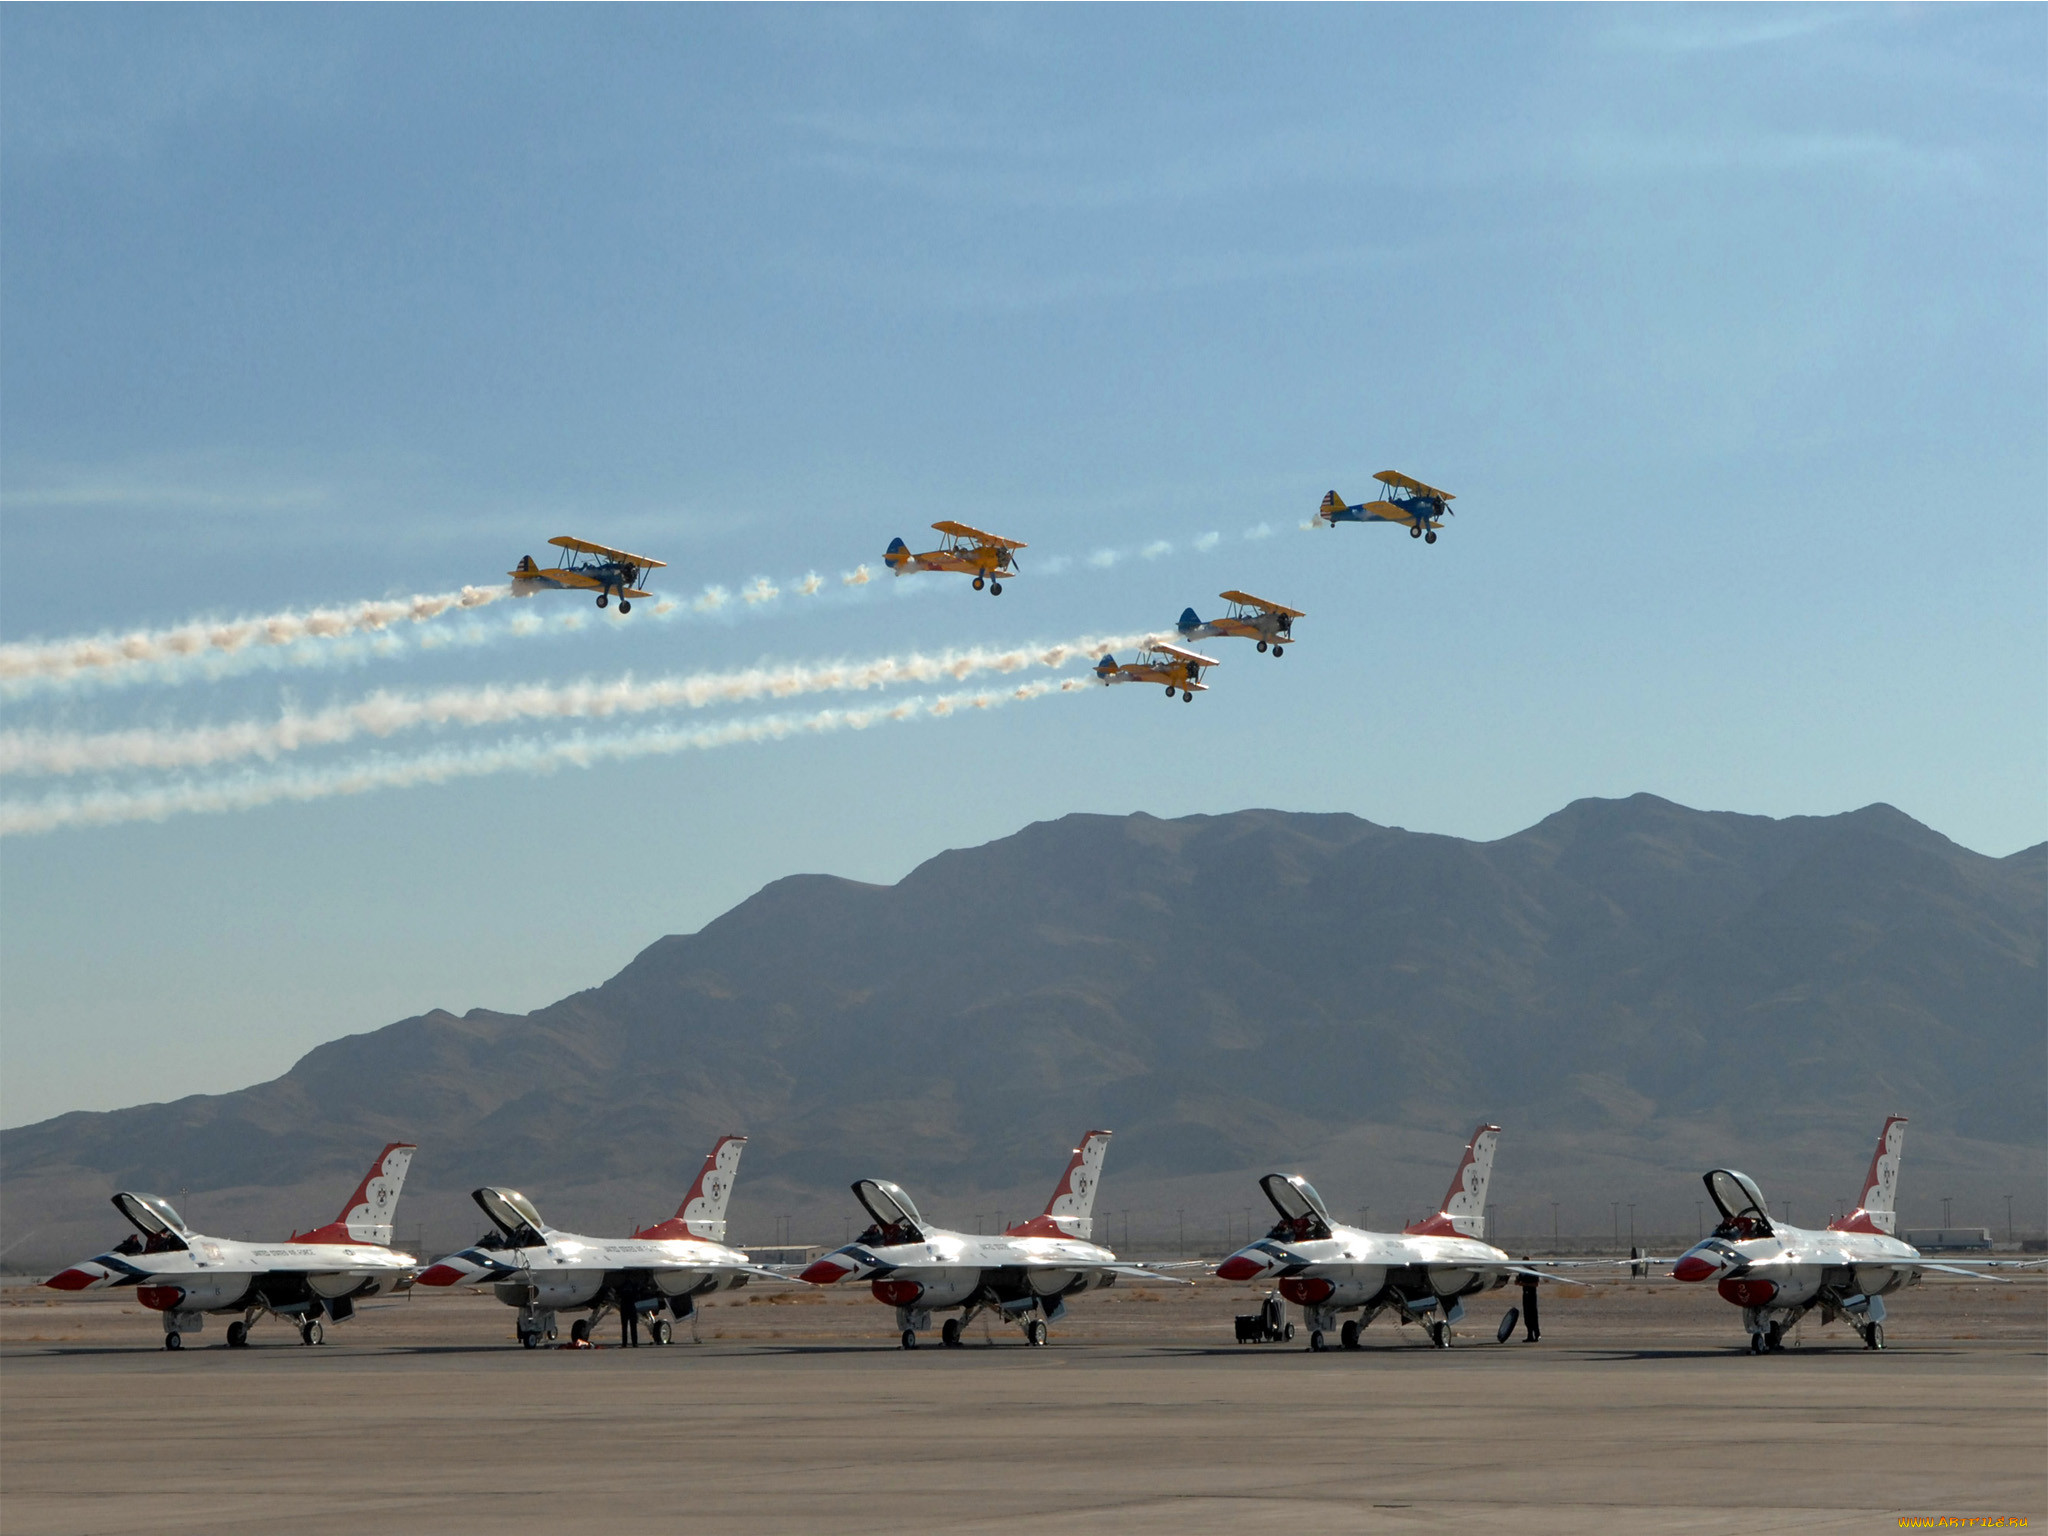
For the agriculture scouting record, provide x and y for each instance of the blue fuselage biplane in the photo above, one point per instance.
(1420, 508)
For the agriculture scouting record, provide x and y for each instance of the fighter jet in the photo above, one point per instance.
(185, 1274)
(541, 1271)
(1421, 1274)
(1777, 1273)
(1023, 1276)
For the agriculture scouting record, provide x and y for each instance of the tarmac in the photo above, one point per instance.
(1639, 1411)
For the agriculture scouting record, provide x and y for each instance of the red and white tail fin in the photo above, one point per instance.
(702, 1213)
(1464, 1211)
(1878, 1210)
(1070, 1211)
(367, 1216)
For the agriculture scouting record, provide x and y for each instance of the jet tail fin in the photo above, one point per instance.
(368, 1214)
(702, 1213)
(1071, 1210)
(1464, 1210)
(1878, 1210)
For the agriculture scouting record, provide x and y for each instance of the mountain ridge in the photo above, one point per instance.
(1225, 991)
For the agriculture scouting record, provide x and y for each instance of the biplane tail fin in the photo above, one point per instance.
(1106, 668)
(1332, 505)
(897, 556)
(526, 567)
(1189, 621)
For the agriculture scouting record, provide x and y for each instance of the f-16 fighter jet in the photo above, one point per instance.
(541, 1271)
(1420, 1274)
(1777, 1272)
(185, 1274)
(1023, 1276)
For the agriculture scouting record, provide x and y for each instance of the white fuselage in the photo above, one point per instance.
(1412, 1273)
(566, 1271)
(219, 1274)
(1791, 1269)
(947, 1270)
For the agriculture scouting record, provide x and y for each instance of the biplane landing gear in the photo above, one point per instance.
(1186, 697)
(604, 599)
(1277, 650)
(1262, 645)
(624, 606)
(1169, 690)
(979, 583)
(1430, 537)
(995, 589)
(1415, 533)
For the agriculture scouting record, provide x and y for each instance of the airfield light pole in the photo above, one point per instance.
(1699, 1218)
(2008, 1218)
(1183, 1231)
(1247, 1224)
(1127, 1229)
(1553, 1226)
(1631, 1228)
(1945, 1199)
(1616, 1205)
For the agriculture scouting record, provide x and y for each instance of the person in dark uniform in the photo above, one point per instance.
(1531, 1330)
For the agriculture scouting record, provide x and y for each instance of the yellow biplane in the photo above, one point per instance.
(986, 556)
(1159, 662)
(1421, 508)
(590, 568)
(1250, 618)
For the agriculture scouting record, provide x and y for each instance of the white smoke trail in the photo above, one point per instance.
(59, 660)
(385, 714)
(253, 790)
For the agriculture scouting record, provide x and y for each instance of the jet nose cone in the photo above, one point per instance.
(1240, 1266)
(1694, 1266)
(826, 1272)
(73, 1279)
(443, 1273)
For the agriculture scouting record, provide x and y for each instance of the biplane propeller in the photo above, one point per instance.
(987, 557)
(1249, 618)
(590, 568)
(1419, 508)
(1159, 662)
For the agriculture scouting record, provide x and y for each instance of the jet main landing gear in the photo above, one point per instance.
(949, 1335)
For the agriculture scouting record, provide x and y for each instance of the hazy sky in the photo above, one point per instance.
(1725, 325)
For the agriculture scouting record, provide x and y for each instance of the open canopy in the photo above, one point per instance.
(890, 1207)
(511, 1213)
(1738, 1199)
(1301, 1208)
(152, 1215)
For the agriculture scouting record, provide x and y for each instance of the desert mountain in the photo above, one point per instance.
(1633, 988)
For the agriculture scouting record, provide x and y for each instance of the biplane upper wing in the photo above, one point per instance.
(1396, 478)
(1259, 602)
(584, 547)
(1196, 658)
(962, 531)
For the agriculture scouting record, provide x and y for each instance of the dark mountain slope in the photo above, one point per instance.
(1223, 991)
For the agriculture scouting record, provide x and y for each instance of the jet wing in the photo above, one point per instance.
(1978, 1274)
(584, 547)
(1138, 1272)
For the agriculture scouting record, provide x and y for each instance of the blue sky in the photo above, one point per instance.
(1725, 325)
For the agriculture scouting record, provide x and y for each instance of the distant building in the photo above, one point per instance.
(1948, 1239)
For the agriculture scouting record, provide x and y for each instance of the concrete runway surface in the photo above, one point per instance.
(794, 1411)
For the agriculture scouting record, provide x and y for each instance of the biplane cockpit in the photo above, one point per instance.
(1419, 508)
(987, 557)
(587, 567)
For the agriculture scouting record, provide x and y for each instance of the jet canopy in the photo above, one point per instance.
(512, 1214)
(895, 1213)
(1303, 1216)
(1744, 1211)
(162, 1228)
